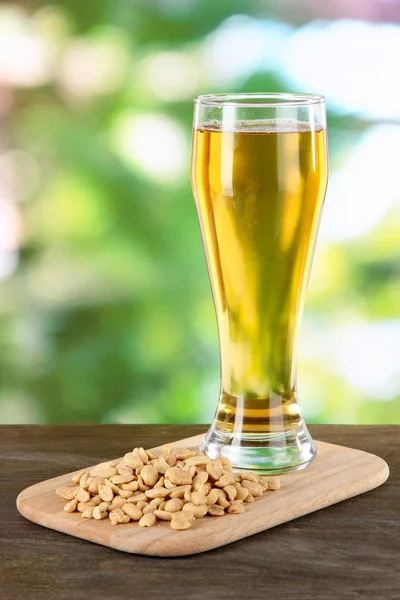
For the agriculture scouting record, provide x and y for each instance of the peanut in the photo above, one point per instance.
(88, 512)
(148, 520)
(141, 485)
(176, 486)
(132, 511)
(157, 493)
(124, 470)
(117, 516)
(83, 506)
(212, 497)
(161, 465)
(109, 464)
(236, 507)
(222, 501)
(197, 510)
(179, 476)
(83, 482)
(165, 451)
(273, 483)
(138, 497)
(179, 491)
(106, 493)
(226, 479)
(117, 479)
(72, 493)
(171, 460)
(249, 498)
(162, 514)
(261, 482)
(174, 505)
(197, 461)
(118, 502)
(242, 493)
(181, 520)
(205, 488)
(132, 461)
(156, 502)
(215, 510)
(83, 496)
(199, 480)
(99, 514)
(198, 498)
(226, 463)
(214, 470)
(141, 453)
(254, 488)
(125, 494)
(168, 484)
(131, 487)
(150, 455)
(93, 487)
(192, 470)
(112, 485)
(76, 478)
(71, 506)
(64, 492)
(183, 453)
(245, 475)
(231, 492)
(106, 473)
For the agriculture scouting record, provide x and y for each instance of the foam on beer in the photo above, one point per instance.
(259, 126)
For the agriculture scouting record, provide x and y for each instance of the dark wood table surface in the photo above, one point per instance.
(348, 551)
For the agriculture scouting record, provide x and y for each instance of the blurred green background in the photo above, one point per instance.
(105, 307)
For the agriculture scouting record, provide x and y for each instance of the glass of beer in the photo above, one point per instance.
(259, 176)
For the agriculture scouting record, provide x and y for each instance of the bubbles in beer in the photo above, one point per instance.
(259, 187)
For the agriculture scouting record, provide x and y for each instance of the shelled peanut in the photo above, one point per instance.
(177, 486)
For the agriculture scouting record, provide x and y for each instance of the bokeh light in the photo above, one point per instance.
(153, 143)
(105, 307)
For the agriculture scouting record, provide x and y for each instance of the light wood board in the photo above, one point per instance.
(338, 473)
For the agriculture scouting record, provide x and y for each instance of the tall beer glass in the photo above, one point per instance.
(259, 175)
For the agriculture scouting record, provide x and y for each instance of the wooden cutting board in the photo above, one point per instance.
(336, 474)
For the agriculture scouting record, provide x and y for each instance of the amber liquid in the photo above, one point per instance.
(259, 190)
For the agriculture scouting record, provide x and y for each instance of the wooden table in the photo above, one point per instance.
(348, 551)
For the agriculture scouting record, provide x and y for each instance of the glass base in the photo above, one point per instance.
(265, 454)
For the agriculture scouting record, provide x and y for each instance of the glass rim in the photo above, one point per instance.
(259, 99)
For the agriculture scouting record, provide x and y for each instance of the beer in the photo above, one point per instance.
(259, 188)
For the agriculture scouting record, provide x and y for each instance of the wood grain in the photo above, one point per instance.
(348, 551)
(338, 473)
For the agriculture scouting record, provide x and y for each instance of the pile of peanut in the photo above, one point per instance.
(178, 486)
